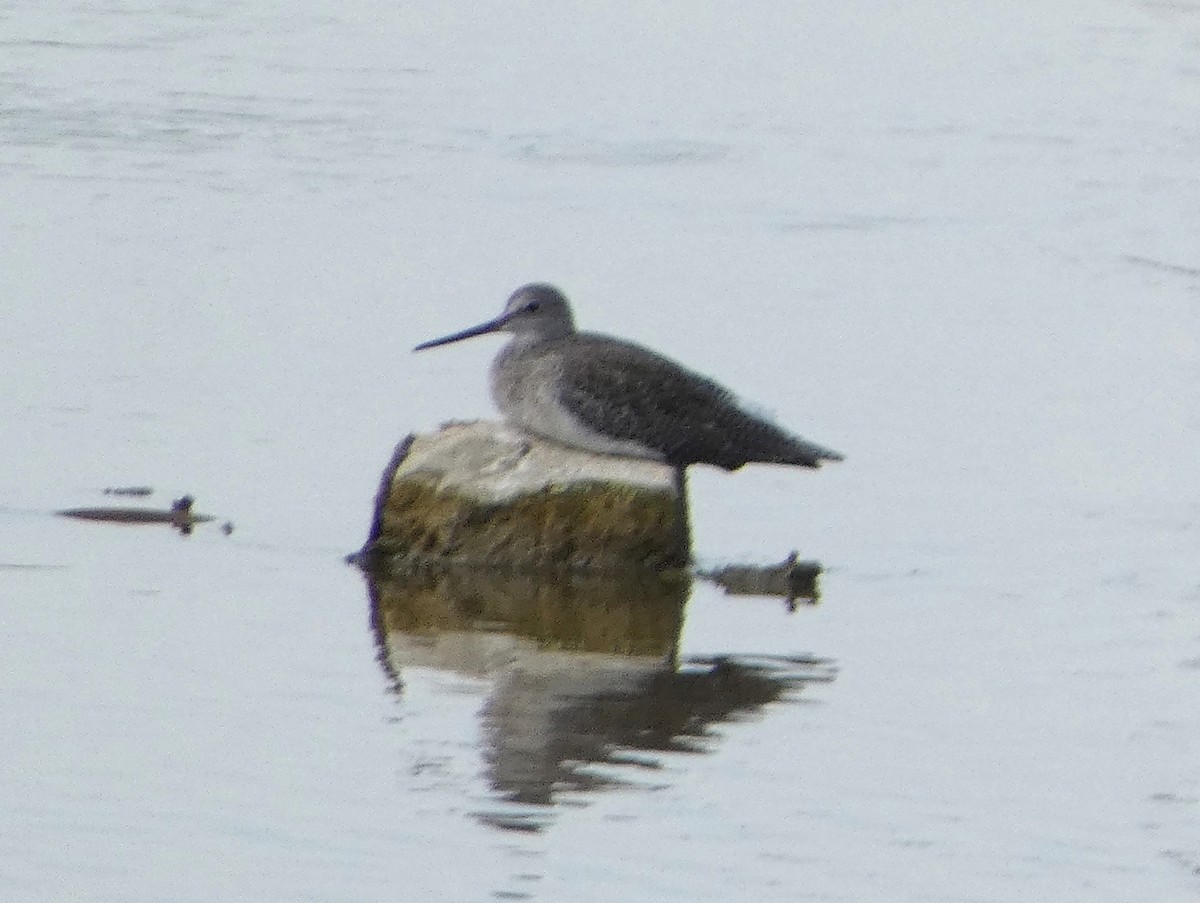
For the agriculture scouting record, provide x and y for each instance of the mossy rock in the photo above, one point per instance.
(480, 494)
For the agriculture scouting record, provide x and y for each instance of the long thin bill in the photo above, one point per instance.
(481, 329)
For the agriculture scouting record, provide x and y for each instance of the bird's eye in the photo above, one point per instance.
(532, 306)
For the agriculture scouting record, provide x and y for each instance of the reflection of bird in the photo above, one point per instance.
(610, 396)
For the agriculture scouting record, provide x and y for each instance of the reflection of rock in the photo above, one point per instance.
(636, 616)
(584, 672)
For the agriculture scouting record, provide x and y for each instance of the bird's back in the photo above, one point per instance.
(632, 394)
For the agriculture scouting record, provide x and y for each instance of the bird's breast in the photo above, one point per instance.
(527, 388)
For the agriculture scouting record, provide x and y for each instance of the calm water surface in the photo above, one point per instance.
(958, 245)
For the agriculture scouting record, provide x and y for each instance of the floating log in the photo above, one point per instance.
(791, 579)
(179, 515)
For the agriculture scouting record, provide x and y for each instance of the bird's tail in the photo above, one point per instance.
(807, 454)
(765, 443)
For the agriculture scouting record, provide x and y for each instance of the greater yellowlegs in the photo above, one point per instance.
(613, 397)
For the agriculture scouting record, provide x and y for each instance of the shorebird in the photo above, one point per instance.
(614, 397)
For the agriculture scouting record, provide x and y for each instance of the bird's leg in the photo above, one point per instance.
(683, 528)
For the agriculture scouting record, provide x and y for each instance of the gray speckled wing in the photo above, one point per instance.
(630, 393)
